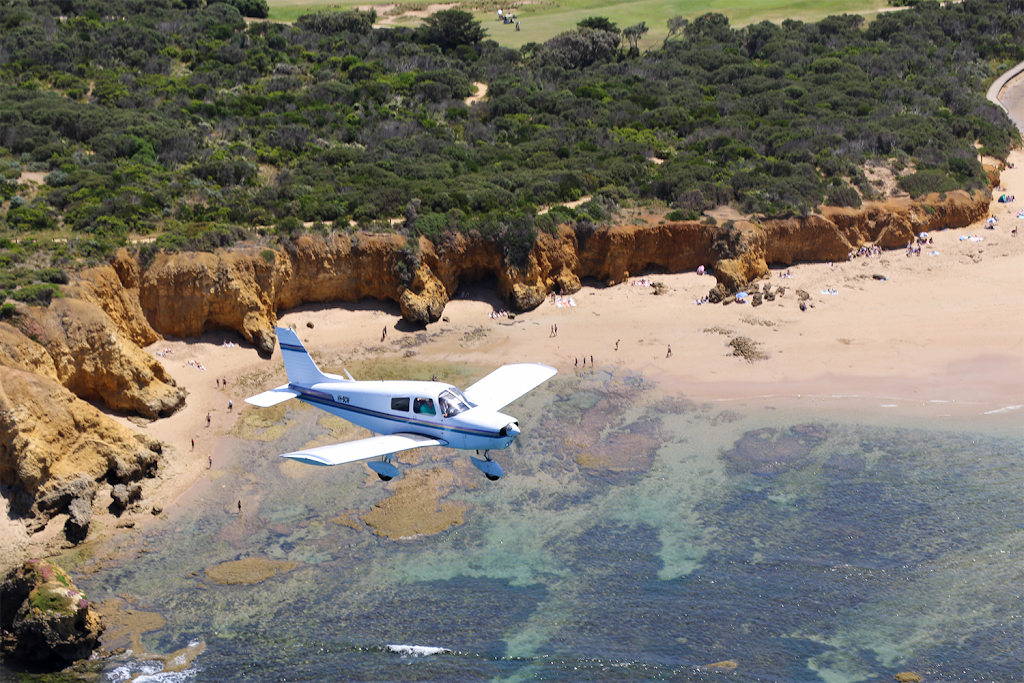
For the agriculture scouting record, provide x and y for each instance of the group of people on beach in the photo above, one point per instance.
(872, 251)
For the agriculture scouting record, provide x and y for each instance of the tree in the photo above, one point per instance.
(252, 8)
(599, 24)
(579, 49)
(633, 34)
(675, 26)
(451, 28)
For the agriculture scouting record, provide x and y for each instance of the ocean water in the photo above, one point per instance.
(636, 536)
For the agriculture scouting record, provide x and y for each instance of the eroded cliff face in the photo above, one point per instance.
(186, 294)
(93, 360)
(831, 235)
(54, 447)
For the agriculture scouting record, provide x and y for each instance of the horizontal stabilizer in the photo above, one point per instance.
(272, 397)
(351, 451)
(507, 383)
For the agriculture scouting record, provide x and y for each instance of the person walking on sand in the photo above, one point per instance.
(617, 344)
(669, 354)
(218, 382)
(211, 462)
(193, 444)
(224, 382)
(556, 329)
(239, 507)
(231, 404)
(207, 419)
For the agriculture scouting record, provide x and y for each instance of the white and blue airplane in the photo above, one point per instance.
(404, 414)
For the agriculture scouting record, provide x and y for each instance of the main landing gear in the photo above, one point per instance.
(491, 469)
(384, 469)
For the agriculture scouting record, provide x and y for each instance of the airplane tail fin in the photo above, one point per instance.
(297, 363)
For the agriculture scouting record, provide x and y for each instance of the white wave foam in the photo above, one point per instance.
(1004, 409)
(416, 650)
(168, 676)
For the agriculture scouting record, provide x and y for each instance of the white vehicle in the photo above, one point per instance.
(404, 414)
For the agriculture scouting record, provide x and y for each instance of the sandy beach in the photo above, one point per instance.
(942, 336)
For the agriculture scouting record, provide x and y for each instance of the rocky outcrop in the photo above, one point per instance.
(45, 618)
(20, 352)
(96, 363)
(115, 289)
(54, 448)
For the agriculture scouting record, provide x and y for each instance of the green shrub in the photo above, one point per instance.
(7, 311)
(36, 295)
(842, 195)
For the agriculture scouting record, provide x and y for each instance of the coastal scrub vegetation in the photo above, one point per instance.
(177, 118)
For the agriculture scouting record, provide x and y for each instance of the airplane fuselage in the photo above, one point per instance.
(433, 409)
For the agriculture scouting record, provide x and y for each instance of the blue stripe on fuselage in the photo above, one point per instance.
(325, 400)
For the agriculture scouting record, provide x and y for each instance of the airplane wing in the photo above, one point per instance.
(363, 449)
(272, 397)
(507, 383)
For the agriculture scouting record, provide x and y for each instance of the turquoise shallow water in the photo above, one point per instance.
(801, 549)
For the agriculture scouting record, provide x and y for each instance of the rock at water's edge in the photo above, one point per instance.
(45, 618)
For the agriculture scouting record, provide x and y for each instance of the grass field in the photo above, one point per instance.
(545, 19)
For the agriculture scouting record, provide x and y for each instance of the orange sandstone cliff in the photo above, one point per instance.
(184, 295)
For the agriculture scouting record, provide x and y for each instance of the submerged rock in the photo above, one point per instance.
(416, 507)
(247, 571)
(770, 451)
(45, 618)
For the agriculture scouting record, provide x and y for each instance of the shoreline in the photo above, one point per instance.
(941, 337)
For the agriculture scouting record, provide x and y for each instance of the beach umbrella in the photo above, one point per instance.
(923, 235)
(741, 295)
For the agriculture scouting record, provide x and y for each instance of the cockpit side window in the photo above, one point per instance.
(424, 406)
(400, 404)
(452, 403)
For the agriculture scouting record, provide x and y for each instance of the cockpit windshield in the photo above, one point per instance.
(453, 402)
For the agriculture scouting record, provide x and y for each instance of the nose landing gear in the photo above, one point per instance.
(490, 468)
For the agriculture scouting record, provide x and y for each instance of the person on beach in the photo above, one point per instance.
(669, 354)
(218, 382)
(207, 419)
(193, 444)
(239, 507)
(211, 462)
(224, 382)
(617, 344)
(231, 404)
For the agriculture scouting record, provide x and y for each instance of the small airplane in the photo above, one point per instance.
(404, 414)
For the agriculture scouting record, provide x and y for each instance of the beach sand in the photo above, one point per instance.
(942, 336)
